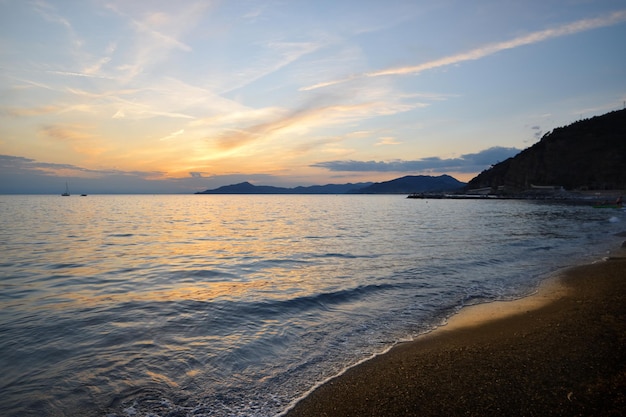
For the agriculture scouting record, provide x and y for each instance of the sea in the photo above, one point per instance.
(239, 305)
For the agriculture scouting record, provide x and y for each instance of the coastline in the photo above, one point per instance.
(558, 352)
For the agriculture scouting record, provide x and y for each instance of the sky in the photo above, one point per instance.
(150, 96)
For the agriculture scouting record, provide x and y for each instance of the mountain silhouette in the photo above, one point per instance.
(404, 185)
(414, 184)
(589, 154)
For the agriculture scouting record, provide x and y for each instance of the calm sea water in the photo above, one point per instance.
(238, 305)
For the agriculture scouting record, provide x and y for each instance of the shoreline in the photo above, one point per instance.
(558, 351)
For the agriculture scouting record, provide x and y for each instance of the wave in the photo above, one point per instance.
(321, 301)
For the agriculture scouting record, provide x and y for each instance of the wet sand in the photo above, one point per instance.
(561, 352)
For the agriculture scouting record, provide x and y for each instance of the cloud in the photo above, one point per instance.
(236, 115)
(467, 163)
(32, 111)
(489, 49)
(97, 66)
(161, 38)
(78, 138)
(173, 135)
(388, 140)
(144, 110)
(18, 164)
(155, 33)
(139, 103)
(21, 175)
(305, 118)
(14, 162)
(86, 74)
(254, 13)
(49, 13)
(67, 133)
(277, 55)
(235, 138)
(28, 176)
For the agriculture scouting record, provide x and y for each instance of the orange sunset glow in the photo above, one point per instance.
(145, 97)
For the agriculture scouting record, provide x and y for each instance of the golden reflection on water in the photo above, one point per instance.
(156, 377)
(111, 250)
(94, 254)
(197, 292)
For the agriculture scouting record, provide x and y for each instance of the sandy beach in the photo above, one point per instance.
(560, 352)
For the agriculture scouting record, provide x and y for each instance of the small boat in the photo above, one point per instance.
(67, 191)
(83, 195)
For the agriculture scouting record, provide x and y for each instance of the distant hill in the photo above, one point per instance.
(247, 188)
(586, 155)
(414, 184)
(404, 185)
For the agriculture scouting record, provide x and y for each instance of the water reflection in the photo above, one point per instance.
(201, 292)
(219, 302)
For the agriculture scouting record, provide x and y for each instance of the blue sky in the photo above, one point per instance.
(159, 96)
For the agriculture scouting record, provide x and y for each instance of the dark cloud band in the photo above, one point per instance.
(473, 162)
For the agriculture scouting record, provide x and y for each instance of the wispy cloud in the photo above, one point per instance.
(79, 138)
(48, 12)
(96, 67)
(156, 33)
(388, 140)
(30, 84)
(67, 133)
(80, 74)
(465, 163)
(131, 110)
(486, 50)
(31, 111)
(239, 137)
(170, 98)
(51, 14)
(273, 57)
(27, 175)
(130, 103)
(18, 164)
(237, 115)
(173, 135)
(76, 54)
(307, 118)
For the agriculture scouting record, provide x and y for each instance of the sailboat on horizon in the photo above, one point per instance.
(67, 191)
